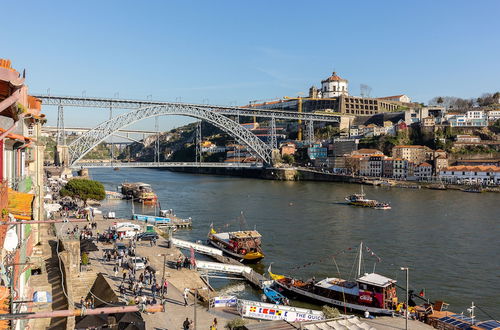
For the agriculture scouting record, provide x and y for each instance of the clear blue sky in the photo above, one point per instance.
(237, 51)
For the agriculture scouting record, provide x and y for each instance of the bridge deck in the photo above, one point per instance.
(164, 164)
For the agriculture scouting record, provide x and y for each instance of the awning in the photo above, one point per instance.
(4, 306)
(18, 137)
(20, 204)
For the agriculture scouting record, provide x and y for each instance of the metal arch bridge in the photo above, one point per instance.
(142, 109)
(115, 103)
(86, 142)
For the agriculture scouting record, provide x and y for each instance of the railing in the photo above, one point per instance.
(164, 164)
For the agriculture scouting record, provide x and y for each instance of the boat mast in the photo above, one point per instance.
(360, 257)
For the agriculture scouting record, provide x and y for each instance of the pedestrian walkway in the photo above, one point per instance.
(176, 312)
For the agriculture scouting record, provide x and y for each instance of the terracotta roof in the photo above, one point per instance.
(334, 77)
(368, 151)
(440, 150)
(407, 146)
(478, 168)
(390, 97)
(425, 164)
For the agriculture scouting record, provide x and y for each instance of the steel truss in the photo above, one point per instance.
(86, 142)
(95, 102)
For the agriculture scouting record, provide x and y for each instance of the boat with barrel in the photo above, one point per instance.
(370, 292)
(361, 200)
(243, 245)
(140, 192)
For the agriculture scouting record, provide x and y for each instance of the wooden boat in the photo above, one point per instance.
(274, 296)
(242, 245)
(373, 292)
(140, 192)
(361, 200)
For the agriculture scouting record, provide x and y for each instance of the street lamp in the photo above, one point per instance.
(164, 255)
(407, 295)
(195, 303)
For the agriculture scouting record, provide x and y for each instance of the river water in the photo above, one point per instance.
(448, 239)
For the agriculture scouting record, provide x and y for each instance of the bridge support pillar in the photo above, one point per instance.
(310, 132)
(63, 153)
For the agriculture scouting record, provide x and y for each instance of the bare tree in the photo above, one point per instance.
(365, 90)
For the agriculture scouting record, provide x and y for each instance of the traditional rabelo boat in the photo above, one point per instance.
(361, 200)
(243, 245)
(373, 292)
(139, 192)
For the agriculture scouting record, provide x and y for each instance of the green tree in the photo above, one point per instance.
(84, 190)
(288, 159)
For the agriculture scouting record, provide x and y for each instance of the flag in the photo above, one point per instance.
(422, 293)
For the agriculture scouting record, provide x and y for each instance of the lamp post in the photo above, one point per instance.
(407, 295)
(164, 255)
(195, 303)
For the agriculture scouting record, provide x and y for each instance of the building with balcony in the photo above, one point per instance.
(21, 183)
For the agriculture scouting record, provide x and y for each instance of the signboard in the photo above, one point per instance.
(151, 218)
(197, 247)
(224, 268)
(42, 297)
(224, 301)
(263, 311)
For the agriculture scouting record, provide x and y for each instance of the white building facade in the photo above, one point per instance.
(334, 86)
(489, 175)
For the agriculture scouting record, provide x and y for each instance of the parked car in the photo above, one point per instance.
(121, 247)
(147, 236)
(136, 263)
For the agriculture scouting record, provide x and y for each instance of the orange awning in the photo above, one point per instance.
(20, 204)
(15, 136)
(4, 306)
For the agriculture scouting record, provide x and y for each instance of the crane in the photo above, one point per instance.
(299, 108)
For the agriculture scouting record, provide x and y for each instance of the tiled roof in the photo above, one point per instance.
(334, 77)
(478, 168)
(368, 151)
(425, 164)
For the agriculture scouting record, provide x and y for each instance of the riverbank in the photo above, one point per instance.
(303, 174)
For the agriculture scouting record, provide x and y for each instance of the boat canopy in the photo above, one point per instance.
(376, 280)
(340, 285)
(245, 234)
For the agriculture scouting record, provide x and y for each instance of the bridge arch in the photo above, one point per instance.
(86, 142)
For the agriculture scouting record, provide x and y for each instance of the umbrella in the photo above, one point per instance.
(151, 269)
(132, 326)
(91, 321)
(131, 317)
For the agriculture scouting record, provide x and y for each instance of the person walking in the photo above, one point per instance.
(115, 269)
(186, 325)
(153, 290)
(214, 324)
(165, 289)
(186, 292)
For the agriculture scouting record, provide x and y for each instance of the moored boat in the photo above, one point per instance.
(371, 292)
(242, 245)
(274, 296)
(140, 192)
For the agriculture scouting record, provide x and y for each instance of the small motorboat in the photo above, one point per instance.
(274, 296)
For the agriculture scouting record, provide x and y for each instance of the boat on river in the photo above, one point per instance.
(140, 192)
(274, 296)
(244, 245)
(370, 292)
(361, 200)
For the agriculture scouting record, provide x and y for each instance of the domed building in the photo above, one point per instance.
(334, 86)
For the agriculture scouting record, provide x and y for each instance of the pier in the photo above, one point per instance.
(225, 264)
